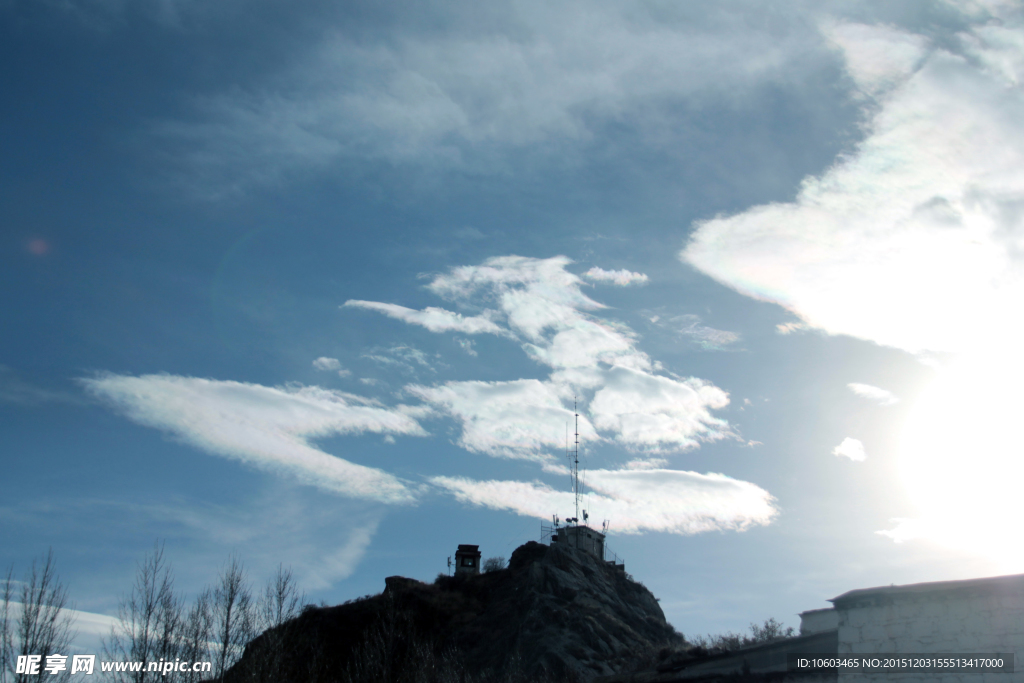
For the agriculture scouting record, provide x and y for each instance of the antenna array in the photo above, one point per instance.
(574, 462)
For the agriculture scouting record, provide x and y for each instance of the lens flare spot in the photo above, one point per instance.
(38, 247)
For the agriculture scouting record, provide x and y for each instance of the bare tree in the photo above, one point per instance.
(149, 620)
(771, 630)
(196, 628)
(167, 640)
(280, 601)
(43, 625)
(277, 606)
(493, 564)
(233, 622)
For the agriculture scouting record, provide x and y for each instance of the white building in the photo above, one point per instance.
(972, 617)
(581, 537)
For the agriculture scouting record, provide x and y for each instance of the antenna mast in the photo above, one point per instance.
(576, 463)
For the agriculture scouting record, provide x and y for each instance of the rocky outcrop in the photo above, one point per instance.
(555, 612)
(575, 613)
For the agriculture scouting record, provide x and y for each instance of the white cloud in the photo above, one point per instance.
(646, 464)
(616, 277)
(881, 396)
(324, 363)
(635, 500)
(657, 413)
(267, 427)
(545, 308)
(850, 448)
(534, 294)
(582, 343)
(907, 530)
(434, 319)
(915, 239)
(520, 419)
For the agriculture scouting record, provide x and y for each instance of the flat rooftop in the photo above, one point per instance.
(993, 585)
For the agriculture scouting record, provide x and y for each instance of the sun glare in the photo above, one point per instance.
(961, 459)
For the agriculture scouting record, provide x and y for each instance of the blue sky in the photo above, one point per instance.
(317, 283)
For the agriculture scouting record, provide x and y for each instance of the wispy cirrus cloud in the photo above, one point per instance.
(403, 357)
(281, 523)
(15, 390)
(707, 338)
(266, 427)
(539, 77)
(638, 500)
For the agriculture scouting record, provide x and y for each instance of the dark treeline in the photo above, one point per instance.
(154, 621)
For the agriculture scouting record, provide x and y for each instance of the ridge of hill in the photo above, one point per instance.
(555, 612)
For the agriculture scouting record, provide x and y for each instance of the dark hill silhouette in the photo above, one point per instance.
(555, 613)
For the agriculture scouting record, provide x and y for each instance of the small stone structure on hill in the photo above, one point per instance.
(467, 559)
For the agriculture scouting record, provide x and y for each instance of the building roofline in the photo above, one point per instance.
(1012, 583)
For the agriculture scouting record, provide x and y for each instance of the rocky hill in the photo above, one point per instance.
(554, 613)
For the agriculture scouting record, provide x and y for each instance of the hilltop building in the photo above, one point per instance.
(467, 559)
(581, 537)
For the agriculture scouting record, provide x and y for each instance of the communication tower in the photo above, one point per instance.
(573, 533)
